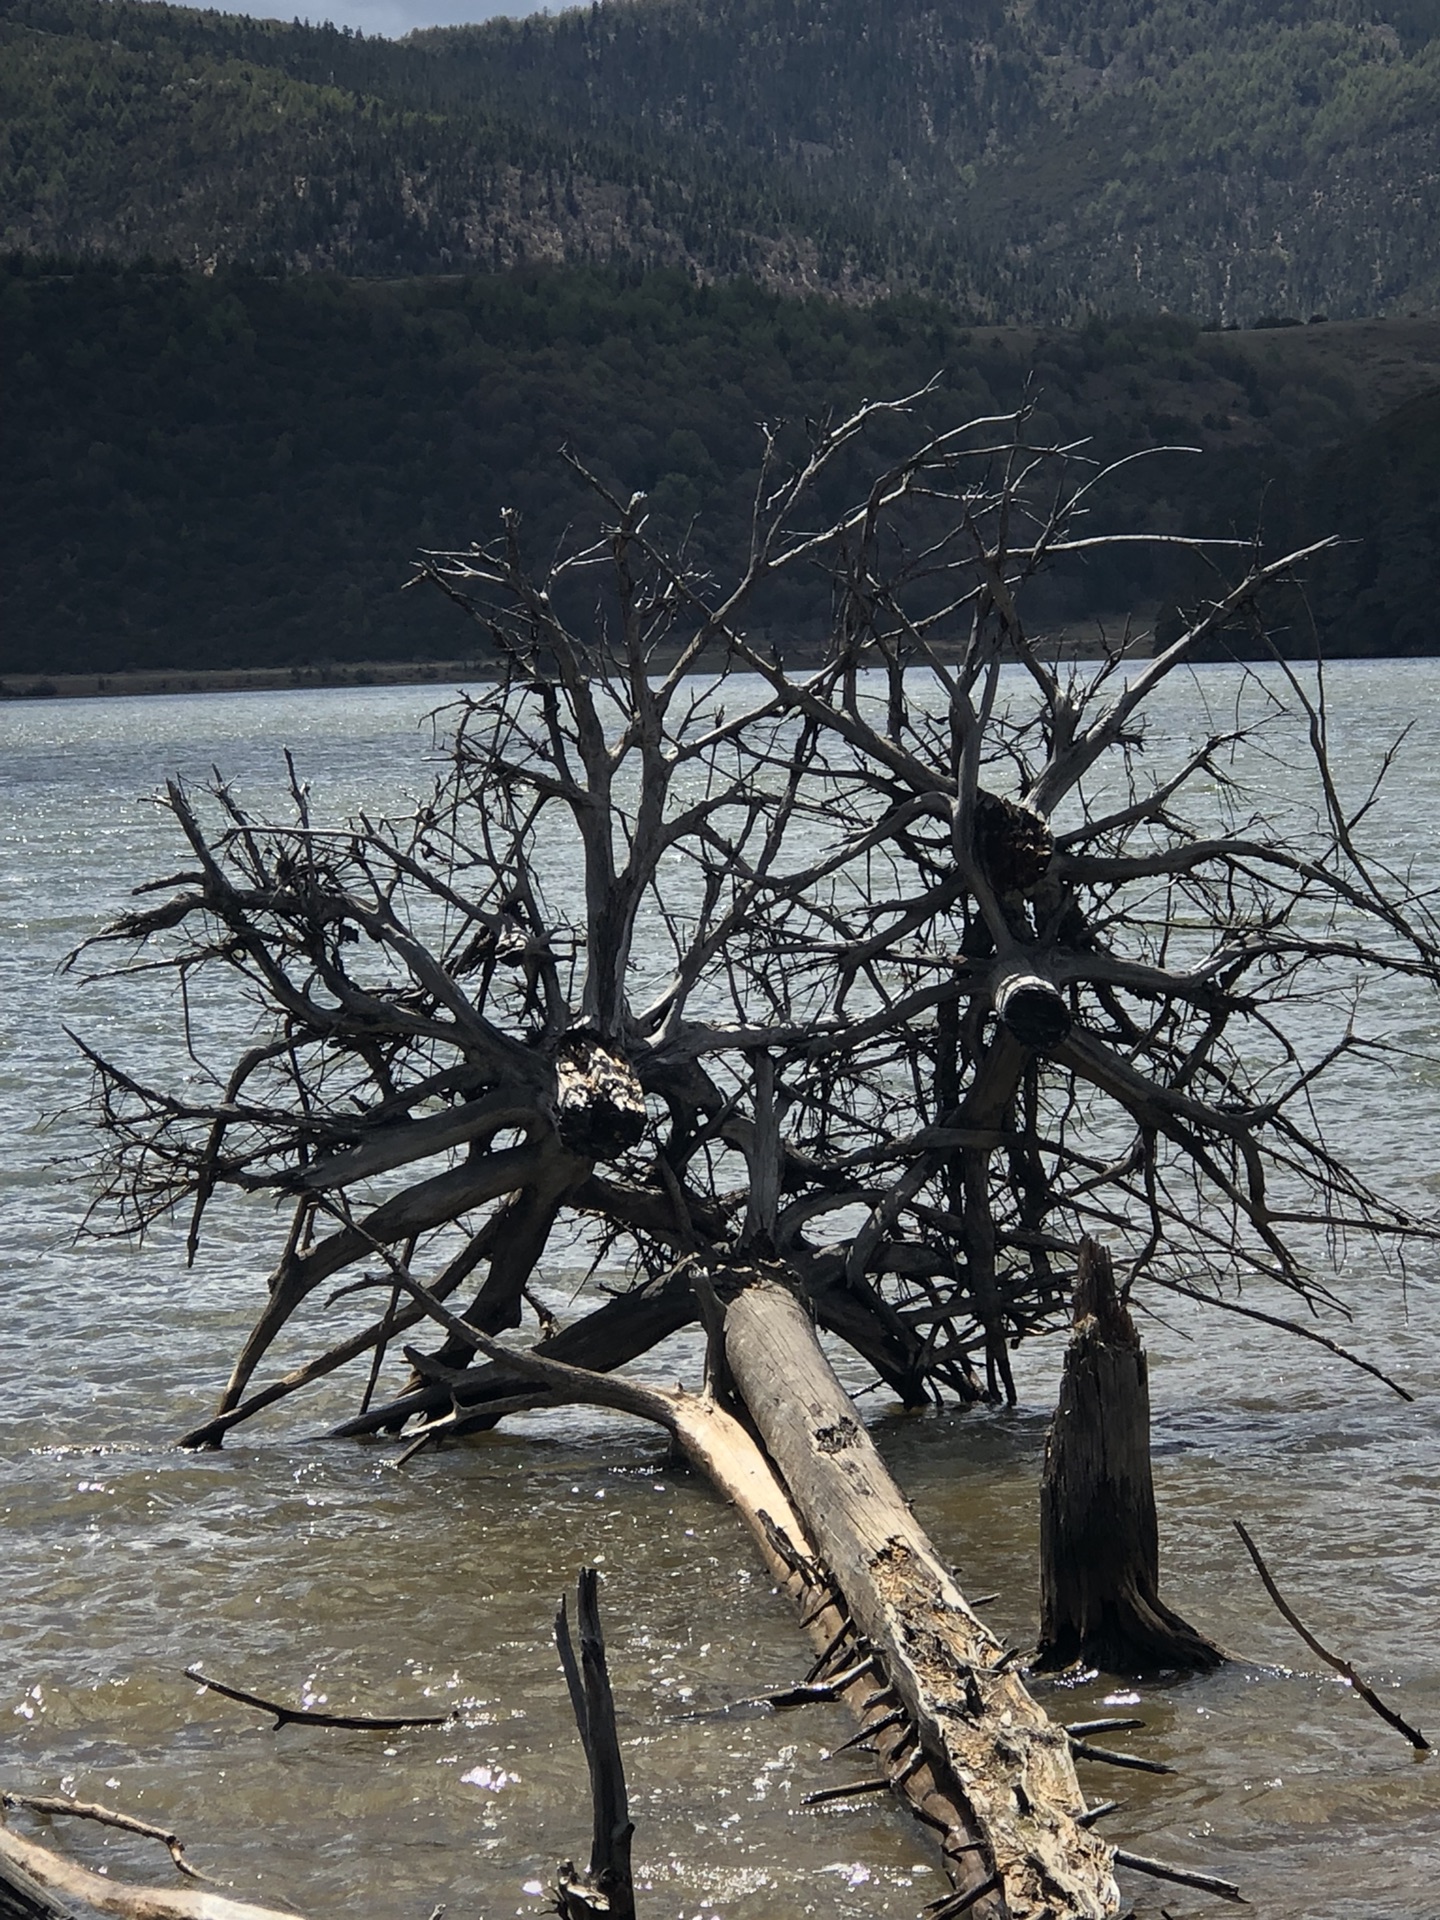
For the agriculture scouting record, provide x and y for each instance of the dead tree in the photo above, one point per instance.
(890, 974)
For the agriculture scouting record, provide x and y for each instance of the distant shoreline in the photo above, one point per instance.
(1065, 644)
(148, 681)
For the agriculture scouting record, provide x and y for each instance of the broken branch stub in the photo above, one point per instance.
(609, 1888)
(599, 1104)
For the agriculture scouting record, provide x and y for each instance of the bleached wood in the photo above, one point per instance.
(981, 1733)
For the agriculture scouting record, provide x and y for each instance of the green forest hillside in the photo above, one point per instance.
(204, 470)
(1227, 158)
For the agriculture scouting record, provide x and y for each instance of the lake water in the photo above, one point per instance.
(305, 1568)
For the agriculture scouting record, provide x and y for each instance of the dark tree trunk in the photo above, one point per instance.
(1099, 1538)
(609, 1888)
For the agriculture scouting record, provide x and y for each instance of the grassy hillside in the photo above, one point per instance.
(1227, 158)
(203, 470)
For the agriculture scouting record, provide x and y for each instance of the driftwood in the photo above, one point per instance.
(316, 1716)
(62, 1806)
(1099, 1537)
(1341, 1665)
(36, 1884)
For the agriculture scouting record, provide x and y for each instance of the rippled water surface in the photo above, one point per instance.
(306, 1568)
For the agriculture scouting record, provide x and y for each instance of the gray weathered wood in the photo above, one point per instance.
(1099, 1536)
(40, 1885)
(978, 1728)
(588, 1678)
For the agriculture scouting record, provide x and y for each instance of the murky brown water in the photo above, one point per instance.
(302, 1567)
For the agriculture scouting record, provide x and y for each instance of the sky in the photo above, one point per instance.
(389, 17)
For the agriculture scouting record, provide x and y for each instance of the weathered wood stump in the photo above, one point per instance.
(1099, 1537)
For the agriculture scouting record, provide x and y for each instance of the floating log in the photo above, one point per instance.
(1099, 1536)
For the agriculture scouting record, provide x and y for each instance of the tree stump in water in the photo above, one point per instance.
(1099, 1538)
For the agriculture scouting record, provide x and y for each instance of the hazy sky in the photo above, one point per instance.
(390, 17)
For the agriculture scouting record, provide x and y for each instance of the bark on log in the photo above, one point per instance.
(1099, 1537)
(729, 1457)
(980, 1734)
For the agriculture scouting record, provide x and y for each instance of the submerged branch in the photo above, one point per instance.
(1335, 1660)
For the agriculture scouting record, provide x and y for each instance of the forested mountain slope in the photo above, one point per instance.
(1226, 158)
(209, 470)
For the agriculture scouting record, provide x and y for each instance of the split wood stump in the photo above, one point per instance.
(1099, 1537)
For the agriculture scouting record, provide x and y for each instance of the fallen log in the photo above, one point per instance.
(978, 1733)
(977, 1760)
(1099, 1535)
(36, 1884)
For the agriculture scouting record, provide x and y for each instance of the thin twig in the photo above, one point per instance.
(309, 1717)
(1285, 1326)
(1335, 1660)
(57, 1804)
